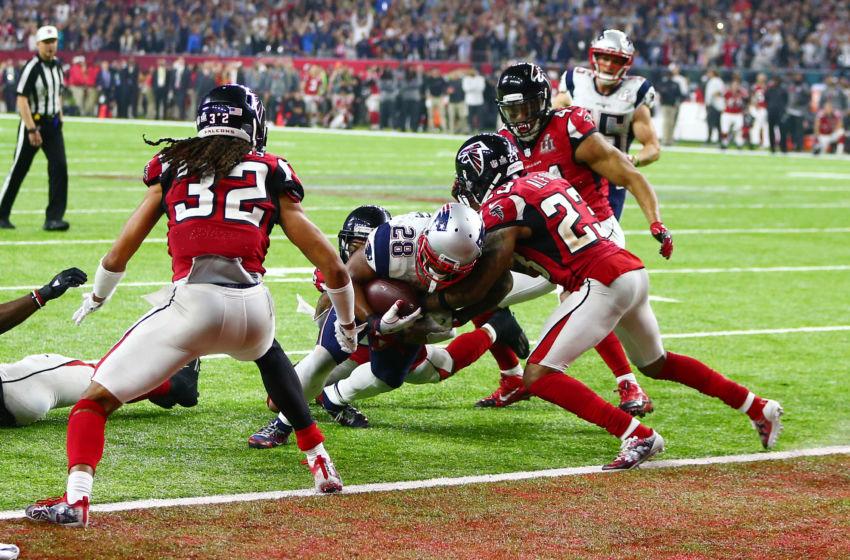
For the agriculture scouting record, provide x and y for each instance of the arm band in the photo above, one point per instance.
(37, 299)
(343, 301)
(105, 281)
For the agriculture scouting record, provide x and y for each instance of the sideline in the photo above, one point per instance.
(459, 481)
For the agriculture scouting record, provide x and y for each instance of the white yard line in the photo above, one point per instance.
(457, 481)
(304, 274)
(740, 231)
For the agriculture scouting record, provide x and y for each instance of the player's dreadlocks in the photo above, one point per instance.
(201, 156)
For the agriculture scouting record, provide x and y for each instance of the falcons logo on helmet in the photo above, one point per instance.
(474, 156)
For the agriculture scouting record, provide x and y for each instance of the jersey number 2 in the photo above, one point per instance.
(567, 228)
(232, 202)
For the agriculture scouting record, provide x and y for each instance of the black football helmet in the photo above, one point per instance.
(524, 97)
(484, 162)
(233, 110)
(357, 226)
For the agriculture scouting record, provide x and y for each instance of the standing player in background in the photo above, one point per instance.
(222, 194)
(732, 119)
(758, 108)
(566, 143)
(829, 128)
(621, 105)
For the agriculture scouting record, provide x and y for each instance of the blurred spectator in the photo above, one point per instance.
(456, 114)
(799, 98)
(473, 89)
(161, 86)
(314, 87)
(105, 84)
(389, 90)
(127, 90)
(829, 128)
(410, 95)
(732, 118)
(776, 99)
(714, 88)
(758, 110)
(833, 93)
(10, 82)
(672, 94)
(435, 101)
(180, 85)
(78, 85)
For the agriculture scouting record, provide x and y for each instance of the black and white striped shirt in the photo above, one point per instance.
(42, 83)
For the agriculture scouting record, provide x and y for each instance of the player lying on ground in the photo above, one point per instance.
(35, 385)
(15, 312)
(329, 365)
(222, 194)
(540, 221)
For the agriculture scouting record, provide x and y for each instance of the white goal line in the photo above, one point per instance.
(456, 481)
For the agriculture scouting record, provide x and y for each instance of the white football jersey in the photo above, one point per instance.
(391, 248)
(612, 113)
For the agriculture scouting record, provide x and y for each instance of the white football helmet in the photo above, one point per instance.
(612, 42)
(450, 246)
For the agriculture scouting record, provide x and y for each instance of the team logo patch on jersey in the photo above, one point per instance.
(548, 145)
(474, 155)
(497, 212)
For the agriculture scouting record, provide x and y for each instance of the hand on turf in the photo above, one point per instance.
(347, 337)
(89, 305)
(69, 278)
(391, 322)
(660, 233)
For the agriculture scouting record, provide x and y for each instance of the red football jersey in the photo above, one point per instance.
(565, 245)
(735, 98)
(759, 96)
(554, 150)
(232, 217)
(827, 122)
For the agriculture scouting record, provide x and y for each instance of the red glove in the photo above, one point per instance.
(319, 280)
(663, 236)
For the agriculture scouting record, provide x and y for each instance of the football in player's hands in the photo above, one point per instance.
(382, 293)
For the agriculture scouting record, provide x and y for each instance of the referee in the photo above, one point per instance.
(40, 104)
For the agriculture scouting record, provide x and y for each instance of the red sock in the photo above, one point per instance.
(613, 355)
(505, 357)
(309, 437)
(160, 391)
(468, 347)
(693, 373)
(573, 395)
(86, 434)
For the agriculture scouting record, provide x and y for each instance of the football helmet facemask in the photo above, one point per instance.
(482, 163)
(616, 44)
(233, 110)
(357, 226)
(448, 248)
(524, 97)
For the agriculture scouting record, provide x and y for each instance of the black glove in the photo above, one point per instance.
(70, 278)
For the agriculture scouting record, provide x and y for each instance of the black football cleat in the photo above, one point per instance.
(275, 433)
(344, 415)
(56, 225)
(184, 387)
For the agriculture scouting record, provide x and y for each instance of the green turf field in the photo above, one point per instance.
(725, 212)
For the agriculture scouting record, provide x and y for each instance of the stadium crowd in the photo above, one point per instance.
(742, 36)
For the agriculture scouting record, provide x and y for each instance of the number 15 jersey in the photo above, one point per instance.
(231, 217)
(566, 246)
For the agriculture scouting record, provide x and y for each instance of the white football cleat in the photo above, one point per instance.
(325, 476)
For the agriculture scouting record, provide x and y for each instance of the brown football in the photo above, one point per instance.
(383, 293)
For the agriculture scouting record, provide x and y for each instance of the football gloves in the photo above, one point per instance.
(391, 322)
(347, 338)
(89, 305)
(660, 233)
(69, 278)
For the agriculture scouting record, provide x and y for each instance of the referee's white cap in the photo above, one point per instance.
(46, 32)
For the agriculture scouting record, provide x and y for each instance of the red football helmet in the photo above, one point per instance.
(616, 44)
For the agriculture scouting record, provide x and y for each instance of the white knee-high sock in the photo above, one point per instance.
(361, 384)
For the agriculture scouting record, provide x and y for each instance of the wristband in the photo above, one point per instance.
(31, 130)
(37, 299)
(343, 301)
(105, 282)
